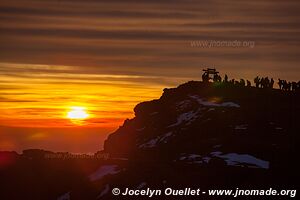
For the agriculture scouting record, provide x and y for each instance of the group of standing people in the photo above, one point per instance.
(217, 78)
(260, 82)
(288, 86)
(264, 82)
(241, 82)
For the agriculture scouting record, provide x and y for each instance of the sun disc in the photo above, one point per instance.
(77, 113)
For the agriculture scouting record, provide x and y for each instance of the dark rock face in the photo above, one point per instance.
(209, 136)
(203, 118)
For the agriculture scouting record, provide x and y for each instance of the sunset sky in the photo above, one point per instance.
(108, 55)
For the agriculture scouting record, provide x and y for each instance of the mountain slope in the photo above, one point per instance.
(210, 120)
(201, 135)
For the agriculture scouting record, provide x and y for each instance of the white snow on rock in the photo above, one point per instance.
(151, 143)
(229, 104)
(213, 104)
(234, 159)
(183, 104)
(241, 127)
(185, 117)
(65, 196)
(190, 116)
(140, 129)
(191, 158)
(104, 191)
(164, 137)
(103, 171)
(159, 139)
(206, 159)
(141, 185)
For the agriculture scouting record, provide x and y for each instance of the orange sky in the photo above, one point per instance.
(42, 95)
(109, 55)
(34, 106)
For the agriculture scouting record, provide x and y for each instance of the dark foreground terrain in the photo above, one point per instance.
(208, 136)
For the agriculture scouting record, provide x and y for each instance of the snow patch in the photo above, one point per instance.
(183, 104)
(206, 159)
(229, 104)
(185, 117)
(241, 127)
(159, 139)
(213, 104)
(190, 158)
(151, 143)
(141, 185)
(234, 159)
(140, 129)
(103, 171)
(193, 157)
(104, 191)
(65, 196)
(165, 136)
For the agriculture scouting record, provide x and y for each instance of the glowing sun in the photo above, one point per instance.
(77, 113)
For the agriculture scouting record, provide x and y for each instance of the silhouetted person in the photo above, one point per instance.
(217, 78)
(242, 82)
(248, 83)
(294, 86)
(226, 78)
(272, 83)
(257, 81)
(280, 83)
(289, 85)
(284, 85)
(262, 82)
(205, 77)
(266, 82)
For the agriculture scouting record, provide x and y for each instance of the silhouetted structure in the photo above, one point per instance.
(211, 72)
